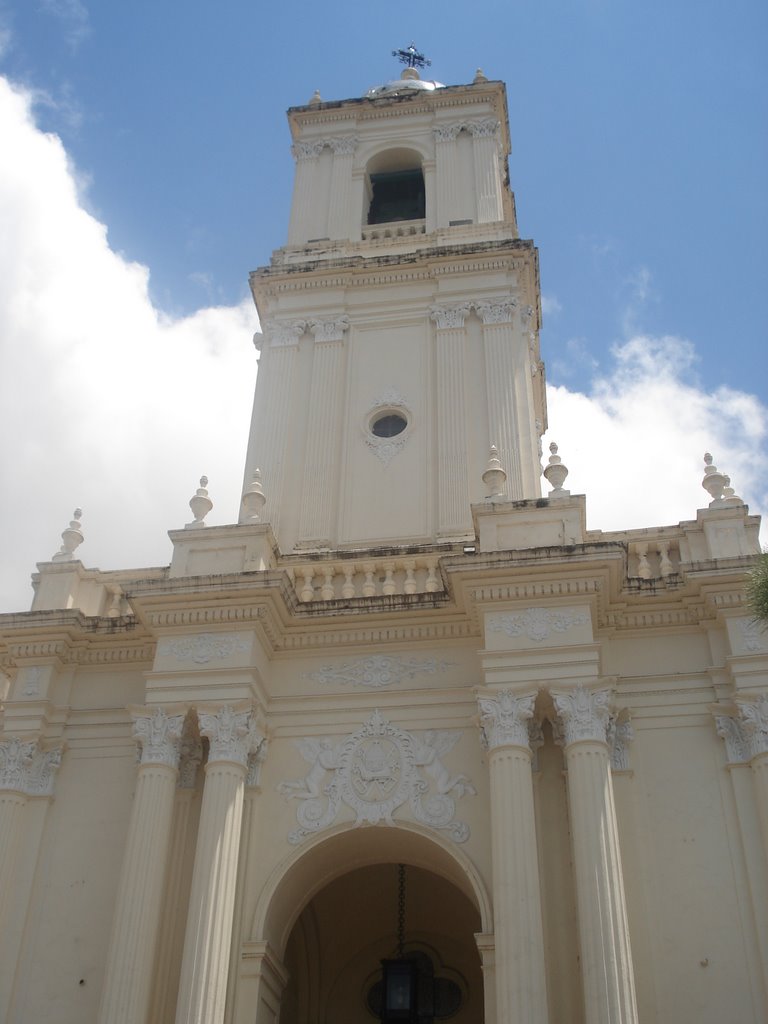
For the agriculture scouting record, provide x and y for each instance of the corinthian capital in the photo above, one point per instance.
(286, 332)
(329, 330)
(449, 316)
(584, 714)
(754, 719)
(27, 769)
(484, 128)
(307, 150)
(233, 734)
(496, 312)
(505, 718)
(158, 735)
(15, 761)
(344, 145)
(447, 132)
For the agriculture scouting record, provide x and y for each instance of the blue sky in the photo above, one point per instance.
(639, 164)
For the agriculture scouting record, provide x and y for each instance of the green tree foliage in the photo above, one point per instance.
(757, 589)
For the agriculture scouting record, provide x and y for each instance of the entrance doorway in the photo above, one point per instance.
(334, 952)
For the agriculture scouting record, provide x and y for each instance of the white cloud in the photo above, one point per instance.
(550, 305)
(104, 402)
(108, 404)
(635, 445)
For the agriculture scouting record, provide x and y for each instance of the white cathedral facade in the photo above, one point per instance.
(407, 742)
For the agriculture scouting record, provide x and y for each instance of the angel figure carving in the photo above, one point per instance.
(430, 751)
(321, 755)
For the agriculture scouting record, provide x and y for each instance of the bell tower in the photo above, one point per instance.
(400, 323)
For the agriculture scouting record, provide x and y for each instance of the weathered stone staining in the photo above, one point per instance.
(401, 654)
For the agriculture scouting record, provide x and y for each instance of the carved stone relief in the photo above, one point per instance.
(204, 647)
(377, 671)
(374, 771)
(534, 623)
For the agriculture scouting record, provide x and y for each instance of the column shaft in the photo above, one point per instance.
(205, 963)
(125, 998)
(606, 961)
(521, 993)
(760, 778)
(11, 830)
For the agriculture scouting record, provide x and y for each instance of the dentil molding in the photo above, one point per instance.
(374, 771)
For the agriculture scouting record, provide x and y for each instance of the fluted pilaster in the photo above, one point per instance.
(453, 476)
(270, 431)
(340, 204)
(485, 150)
(499, 342)
(446, 173)
(521, 992)
(606, 959)
(321, 467)
(128, 977)
(302, 207)
(205, 963)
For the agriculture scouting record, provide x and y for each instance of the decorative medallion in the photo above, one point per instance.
(375, 771)
(534, 623)
(377, 671)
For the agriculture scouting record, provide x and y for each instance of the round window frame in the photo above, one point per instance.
(382, 414)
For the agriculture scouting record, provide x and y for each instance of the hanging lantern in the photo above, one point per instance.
(400, 982)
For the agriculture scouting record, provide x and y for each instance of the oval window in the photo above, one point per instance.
(389, 425)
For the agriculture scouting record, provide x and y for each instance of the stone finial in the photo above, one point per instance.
(494, 476)
(555, 472)
(72, 537)
(713, 482)
(730, 497)
(479, 77)
(253, 500)
(200, 504)
(316, 99)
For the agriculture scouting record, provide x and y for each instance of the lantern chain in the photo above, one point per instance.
(400, 909)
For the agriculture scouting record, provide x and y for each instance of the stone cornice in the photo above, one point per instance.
(71, 638)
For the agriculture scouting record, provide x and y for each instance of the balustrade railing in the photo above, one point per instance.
(347, 579)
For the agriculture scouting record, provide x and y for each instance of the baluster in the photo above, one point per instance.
(348, 587)
(369, 585)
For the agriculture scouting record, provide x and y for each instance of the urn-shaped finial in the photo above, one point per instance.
(495, 475)
(555, 473)
(200, 504)
(72, 537)
(253, 500)
(479, 77)
(713, 481)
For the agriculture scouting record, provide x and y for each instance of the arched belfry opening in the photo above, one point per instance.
(395, 187)
(342, 908)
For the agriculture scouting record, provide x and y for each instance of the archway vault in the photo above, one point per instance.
(321, 860)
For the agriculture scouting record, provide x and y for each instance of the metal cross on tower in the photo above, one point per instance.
(412, 57)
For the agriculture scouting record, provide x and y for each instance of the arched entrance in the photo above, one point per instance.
(333, 916)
